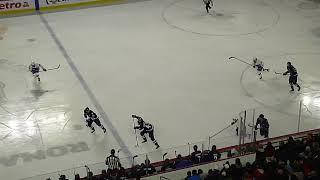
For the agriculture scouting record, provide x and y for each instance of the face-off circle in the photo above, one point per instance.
(228, 18)
(273, 91)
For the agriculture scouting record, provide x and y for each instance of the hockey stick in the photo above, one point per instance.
(252, 126)
(133, 159)
(164, 155)
(135, 132)
(55, 68)
(278, 73)
(87, 169)
(239, 60)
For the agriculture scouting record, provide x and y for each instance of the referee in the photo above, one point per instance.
(113, 162)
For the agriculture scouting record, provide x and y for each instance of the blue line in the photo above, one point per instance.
(85, 86)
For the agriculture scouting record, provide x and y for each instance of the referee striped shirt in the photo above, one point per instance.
(113, 162)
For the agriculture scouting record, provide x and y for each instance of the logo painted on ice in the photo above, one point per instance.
(52, 152)
(55, 1)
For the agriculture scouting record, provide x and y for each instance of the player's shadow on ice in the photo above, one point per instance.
(217, 16)
(37, 92)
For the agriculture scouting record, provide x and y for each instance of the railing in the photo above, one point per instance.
(289, 118)
(227, 152)
(240, 133)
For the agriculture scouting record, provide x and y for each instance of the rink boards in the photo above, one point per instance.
(12, 7)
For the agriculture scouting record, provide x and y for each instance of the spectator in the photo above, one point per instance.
(260, 154)
(214, 154)
(291, 149)
(297, 168)
(269, 152)
(282, 174)
(247, 176)
(213, 174)
(194, 175)
(307, 154)
(90, 176)
(309, 140)
(195, 155)
(281, 153)
(63, 177)
(225, 171)
(248, 172)
(315, 148)
(238, 163)
(135, 172)
(236, 170)
(77, 177)
(200, 174)
(209, 175)
(122, 174)
(188, 175)
(259, 173)
(104, 175)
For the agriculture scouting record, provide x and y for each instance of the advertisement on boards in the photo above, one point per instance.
(10, 5)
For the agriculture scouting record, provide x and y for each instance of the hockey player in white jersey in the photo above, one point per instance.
(35, 68)
(259, 66)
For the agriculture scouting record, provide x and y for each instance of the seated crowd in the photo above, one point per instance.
(290, 160)
(294, 160)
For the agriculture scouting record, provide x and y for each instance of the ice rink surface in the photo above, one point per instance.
(164, 60)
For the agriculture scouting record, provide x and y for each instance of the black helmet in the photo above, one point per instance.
(140, 121)
(113, 151)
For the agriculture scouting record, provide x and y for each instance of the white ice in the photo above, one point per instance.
(164, 60)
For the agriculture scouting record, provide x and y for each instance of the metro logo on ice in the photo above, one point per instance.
(13, 4)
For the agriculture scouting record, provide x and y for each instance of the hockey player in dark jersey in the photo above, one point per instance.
(91, 117)
(293, 78)
(264, 126)
(146, 128)
(208, 3)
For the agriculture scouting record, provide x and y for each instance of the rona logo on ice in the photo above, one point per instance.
(52, 152)
(55, 1)
(13, 4)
